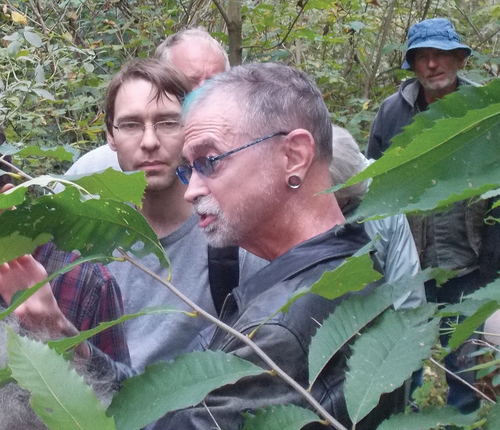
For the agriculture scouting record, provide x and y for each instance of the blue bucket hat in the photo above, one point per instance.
(436, 33)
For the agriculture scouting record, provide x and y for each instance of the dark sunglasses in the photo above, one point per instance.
(206, 165)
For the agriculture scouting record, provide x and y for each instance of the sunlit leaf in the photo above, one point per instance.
(19, 18)
(449, 153)
(94, 226)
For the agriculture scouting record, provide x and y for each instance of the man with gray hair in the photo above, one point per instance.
(449, 240)
(258, 148)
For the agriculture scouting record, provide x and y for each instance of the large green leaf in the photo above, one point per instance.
(283, 417)
(450, 152)
(95, 226)
(489, 292)
(464, 330)
(352, 315)
(110, 184)
(352, 275)
(166, 387)
(58, 395)
(428, 419)
(385, 355)
(493, 422)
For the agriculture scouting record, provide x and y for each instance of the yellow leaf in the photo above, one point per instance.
(365, 105)
(19, 18)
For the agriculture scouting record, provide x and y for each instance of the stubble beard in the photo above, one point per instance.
(219, 233)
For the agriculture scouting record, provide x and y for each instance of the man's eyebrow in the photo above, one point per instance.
(199, 148)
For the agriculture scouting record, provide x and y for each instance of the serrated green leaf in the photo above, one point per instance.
(448, 153)
(15, 244)
(352, 315)
(466, 308)
(33, 38)
(165, 387)
(112, 184)
(283, 417)
(428, 419)
(386, 355)
(464, 330)
(354, 274)
(493, 418)
(58, 395)
(488, 292)
(93, 227)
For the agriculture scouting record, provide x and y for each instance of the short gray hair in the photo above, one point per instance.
(274, 98)
(163, 51)
(347, 161)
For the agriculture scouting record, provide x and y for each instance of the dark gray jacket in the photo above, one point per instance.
(395, 113)
(285, 338)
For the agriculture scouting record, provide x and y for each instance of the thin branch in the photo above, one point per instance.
(290, 28)
(294, 384)
(449, 372)
(222, 12)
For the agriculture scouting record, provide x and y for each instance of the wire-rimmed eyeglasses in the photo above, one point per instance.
(136, 129)
(206, 165)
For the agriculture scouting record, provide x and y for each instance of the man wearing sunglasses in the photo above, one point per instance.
(257, 151)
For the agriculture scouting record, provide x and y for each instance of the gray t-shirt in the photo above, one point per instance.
(154, 338)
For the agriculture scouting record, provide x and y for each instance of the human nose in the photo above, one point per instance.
(432, 62)
(149, 139)
(197, 187)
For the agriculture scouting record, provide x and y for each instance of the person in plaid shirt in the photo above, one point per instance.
(86, 295)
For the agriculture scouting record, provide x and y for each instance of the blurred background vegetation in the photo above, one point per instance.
(57, 57)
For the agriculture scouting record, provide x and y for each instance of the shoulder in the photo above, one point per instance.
(95, 161)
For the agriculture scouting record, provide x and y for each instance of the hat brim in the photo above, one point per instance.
(443, 46)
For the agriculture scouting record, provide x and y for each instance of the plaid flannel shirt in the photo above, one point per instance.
(87, 295)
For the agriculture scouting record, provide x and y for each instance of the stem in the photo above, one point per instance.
(296, 386)
(449, 372)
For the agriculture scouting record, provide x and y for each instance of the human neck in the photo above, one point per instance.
(166, 210)
(296, 223)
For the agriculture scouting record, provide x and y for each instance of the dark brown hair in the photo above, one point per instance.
(166, 80)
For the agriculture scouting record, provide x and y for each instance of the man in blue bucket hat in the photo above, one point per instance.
(435, 54)
(450, 240)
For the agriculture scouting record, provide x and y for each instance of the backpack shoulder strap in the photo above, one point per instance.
(223, 273)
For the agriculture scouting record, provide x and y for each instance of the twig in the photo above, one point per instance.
(449, 372)
(301, 390)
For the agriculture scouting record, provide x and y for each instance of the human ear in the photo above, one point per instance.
(299, 153)
(111, 140)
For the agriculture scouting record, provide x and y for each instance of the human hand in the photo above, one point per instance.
(40, 311)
